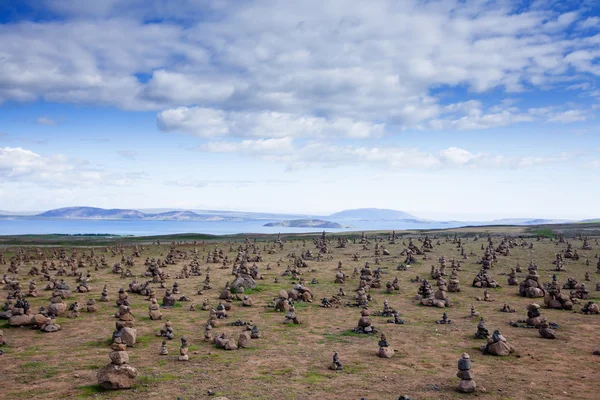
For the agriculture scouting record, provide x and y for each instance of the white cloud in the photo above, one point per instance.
(475, 117)
(203, 122)
(45, 121)
(315, 154)
(568, 116)
(591, 22)
(260, 146)
(374, 61)
(207, 122)
(25, 166)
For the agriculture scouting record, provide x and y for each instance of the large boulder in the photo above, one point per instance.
(21, 320)
(500, 349)
(244, 340)
(386, 352)
(113, 377)
(57, 308)
(243, 281)
(467, 386)
(128, 336)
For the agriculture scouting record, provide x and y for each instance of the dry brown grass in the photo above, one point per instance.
(290, 362)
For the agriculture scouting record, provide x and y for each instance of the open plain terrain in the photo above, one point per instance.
(291, 361)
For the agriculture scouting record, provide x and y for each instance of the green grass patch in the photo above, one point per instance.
(351, 333)
(89, 390)
(312, 377)
(149, 380)
(98, 343)
(332, 338)
(544, 232)
(258, 289)
(34, 370)
(278, 372)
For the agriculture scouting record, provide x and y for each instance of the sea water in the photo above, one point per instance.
(37, 226)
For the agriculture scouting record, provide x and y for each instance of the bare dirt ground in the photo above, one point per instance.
(291, 361)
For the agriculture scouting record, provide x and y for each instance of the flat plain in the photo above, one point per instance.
(291, 361)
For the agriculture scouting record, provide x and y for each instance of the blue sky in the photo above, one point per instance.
(445, 108)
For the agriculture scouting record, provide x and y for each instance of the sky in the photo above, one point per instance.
(447, 109)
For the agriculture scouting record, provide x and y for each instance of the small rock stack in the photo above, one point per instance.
(385, 351)
(104, 295)
(118, 374)
(532, 287)
(183, 350)
(467, 384)
(482, 331)
(154, 310)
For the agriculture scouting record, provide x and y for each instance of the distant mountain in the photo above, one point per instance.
(172, 215)
(92, 213)
(307, 223)
(371, 214)
(335, 220)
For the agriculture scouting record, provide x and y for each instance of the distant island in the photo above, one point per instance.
(308, 223)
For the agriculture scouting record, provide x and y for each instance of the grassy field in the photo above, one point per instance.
(291, 362)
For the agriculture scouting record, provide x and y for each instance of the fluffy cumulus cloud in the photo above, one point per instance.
(26, 166)
(290, 80)
(208, 122)
(372, 61)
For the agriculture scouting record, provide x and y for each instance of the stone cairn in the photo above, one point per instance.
(482, 331)
(555, 299)
(168, 299)
(91, 306)
(453, 282)
(118, 374)
(167, 331)
(163, 348)
(290, 316)
(223, 342)
(512, 278)
(364, 323)
(507, 309)
(385, 351)
(429, 298)
(104, 295)
(534, 317)
(473, 314)
(497, 345)
(546, 331)
(532, 287)
(183, 350)
(123, 298)
(467, 384)
(336, 365)
(397, 320)
(124, 326)
(57, 306)
(590, 308)
(484, 280)
(154, 310)
(444, 320)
